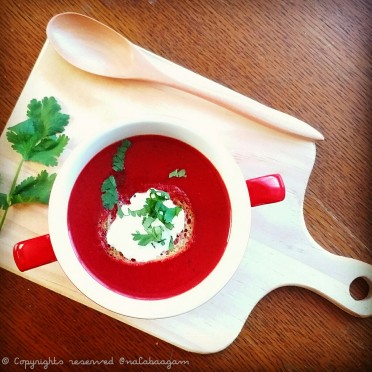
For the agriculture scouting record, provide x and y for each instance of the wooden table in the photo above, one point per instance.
(309, 60)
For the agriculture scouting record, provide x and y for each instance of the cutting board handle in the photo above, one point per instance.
(335, 274)
(322, 272)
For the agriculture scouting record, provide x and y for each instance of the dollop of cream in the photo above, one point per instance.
(119, 234)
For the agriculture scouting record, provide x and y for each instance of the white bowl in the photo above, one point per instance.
(205, 290)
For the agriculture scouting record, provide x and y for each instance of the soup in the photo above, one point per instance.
(172, 169)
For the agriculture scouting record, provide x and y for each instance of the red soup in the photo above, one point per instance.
(148, 162)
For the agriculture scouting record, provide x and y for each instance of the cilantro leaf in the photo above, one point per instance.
(118, 159)
(177, 173)
(46, 116)
(39, 139)
(142, 239)
(23, 137)
(33, 189)
(171, 244)
(120, 212)
(36, 138)
(109, 193)
(153, 235)
(109, 190)
(139, 212)
(170, 213)
(147, 221)
(49, 149)
(155, 209)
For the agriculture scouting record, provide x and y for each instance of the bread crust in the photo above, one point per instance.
(182, 241)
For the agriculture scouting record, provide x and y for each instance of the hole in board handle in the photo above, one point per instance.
(359, 288)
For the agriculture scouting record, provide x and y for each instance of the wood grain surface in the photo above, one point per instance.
(310, 60)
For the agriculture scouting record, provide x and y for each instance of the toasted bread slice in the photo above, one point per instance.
(183, 239)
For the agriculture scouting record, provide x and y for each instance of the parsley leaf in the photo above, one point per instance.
(177, 173)
(118, 159)
(37, 138)
(34, 189)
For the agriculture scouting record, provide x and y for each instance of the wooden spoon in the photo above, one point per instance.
(98, 49)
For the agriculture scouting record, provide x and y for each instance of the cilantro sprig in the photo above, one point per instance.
(119, 157)
(39, 139)
(153, 234)
(153, 210)
(110, 196)
(109, 193)
(178, 173)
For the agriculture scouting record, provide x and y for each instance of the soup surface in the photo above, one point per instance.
(148, 162)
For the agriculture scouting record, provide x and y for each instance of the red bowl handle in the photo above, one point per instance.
(34, 252)
(266, 189)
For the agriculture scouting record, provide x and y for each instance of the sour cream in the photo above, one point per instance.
(119, 233)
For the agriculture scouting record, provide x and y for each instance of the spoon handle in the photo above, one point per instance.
(237, 103)
(252, 109)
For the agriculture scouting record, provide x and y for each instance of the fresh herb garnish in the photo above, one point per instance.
(171, 244)
(178, 173)
(153, 235)
(153, 210)
(36, 139)
(110, 196)
(33, 189)
(118, 159)
(109, 193)
(156, 209)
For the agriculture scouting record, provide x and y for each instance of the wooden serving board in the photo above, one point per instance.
(280, 251)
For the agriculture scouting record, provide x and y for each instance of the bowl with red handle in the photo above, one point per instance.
(195, 172)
